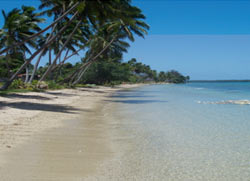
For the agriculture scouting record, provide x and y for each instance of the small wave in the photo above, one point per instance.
(199, 88)
(237, 102)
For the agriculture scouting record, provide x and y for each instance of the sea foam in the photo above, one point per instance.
(239, 102)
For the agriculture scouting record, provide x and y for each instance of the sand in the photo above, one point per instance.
(55, 135)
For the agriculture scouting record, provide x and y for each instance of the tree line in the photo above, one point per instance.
(98, 32)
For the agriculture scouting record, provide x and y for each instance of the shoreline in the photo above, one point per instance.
(39, 124)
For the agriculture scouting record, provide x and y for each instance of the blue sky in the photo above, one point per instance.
(206, 39)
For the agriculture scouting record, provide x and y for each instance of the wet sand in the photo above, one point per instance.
(69, 141)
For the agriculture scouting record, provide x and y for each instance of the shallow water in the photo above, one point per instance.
(176, 137)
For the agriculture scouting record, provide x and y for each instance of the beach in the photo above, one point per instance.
(130, 132)
(55, 135)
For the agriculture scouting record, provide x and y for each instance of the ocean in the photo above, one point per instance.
(194, 131)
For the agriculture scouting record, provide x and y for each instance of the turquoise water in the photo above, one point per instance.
(179, 137)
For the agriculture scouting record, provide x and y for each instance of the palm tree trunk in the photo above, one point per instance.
(27, 74)
(7, 64)
(39, 59)
(70, 78)
(93, 60)
(46, 45)
(42, 31)
(27, 71)
(60, 52)
(76, 73)
(76, 52)
(67, 57)
(50, 56)
(81, 74)
(60, 65)
(35, 68)
(13, 77)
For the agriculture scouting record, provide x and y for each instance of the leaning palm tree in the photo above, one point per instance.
(107, 43)
(33, 19)
(77, 28)
(93, 12)
(73, 11)
(121, 13)
(41, 42)
(69, 10)
(38, 51)
(127, 23)
(19, 25)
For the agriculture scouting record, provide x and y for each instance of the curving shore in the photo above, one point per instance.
(54, 135)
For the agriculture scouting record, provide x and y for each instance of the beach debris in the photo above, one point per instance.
(42, 85)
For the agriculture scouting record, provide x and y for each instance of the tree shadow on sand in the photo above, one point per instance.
(41, 107)
(59, 94)
(14, 96)
(93, 90)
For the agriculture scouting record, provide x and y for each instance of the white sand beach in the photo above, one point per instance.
(54, 135)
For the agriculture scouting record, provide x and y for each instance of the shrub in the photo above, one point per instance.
(133, 79)
(54, 85)
(17, 84)
(34, 83)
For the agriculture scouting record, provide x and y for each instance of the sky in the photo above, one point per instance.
(205, 39)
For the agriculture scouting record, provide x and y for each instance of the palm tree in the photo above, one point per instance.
(73, 7)
(108, 44)
(46, 45)
(18, 26)
(64, 45)
(120, 16)
(41, 42)
(92, 12)
(124, 25)
(126, 21)
(32, 21)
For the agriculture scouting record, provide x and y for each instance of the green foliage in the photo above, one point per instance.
(3, 69)
(53, 85)
(141, 72)
(107, 73)
(173, 77)
(17, 84)
(10, 64)
(81, 6)
(133, 79)
(8, 91)
(104, 31)
(103, 25)
(34, 82)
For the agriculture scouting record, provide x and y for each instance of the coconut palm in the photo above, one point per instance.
(92, 12)
(73, 7)
(120, 16)
(19, 25)
(125, 24)
(108, 44)
(68, 42)
(33, 20)
(83, 8)
(38, 51)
